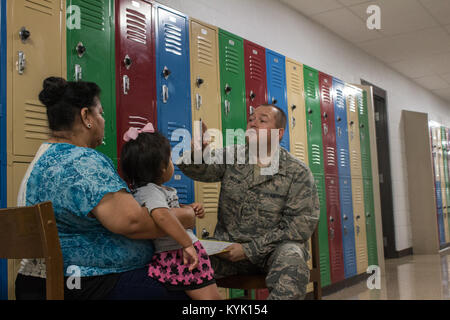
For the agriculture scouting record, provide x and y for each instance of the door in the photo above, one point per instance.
(437, 184)
(276, 87)
(255, 76)
(135, 67)
(37, 48)
(296, 110)
(173, 85)
(205, 100)
(232, 85)
(91, 57)
(3, 262)
(441, 138)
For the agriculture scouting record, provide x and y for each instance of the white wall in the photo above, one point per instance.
(280, 28)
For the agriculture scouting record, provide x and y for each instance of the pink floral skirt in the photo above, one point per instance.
(167, 267)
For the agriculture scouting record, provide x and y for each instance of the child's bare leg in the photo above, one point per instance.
(206, 293)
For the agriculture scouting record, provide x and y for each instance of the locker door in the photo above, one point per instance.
(205, 98)
(3, 262)
(296, 110)
(340, 112)
(90, 57)
(313, 119)
(360, 225)
(173, 86)
(334, 229)
(440, 138)
(135, 65)
(437, 185)
(38, 53)
(232, 84)
(364, 134)
(447, 182)
(370, 222)
(324, 253)
(353, 131)
(255, 75)
(328, 124)
(348, 230)
(276, 87)
(440, 214)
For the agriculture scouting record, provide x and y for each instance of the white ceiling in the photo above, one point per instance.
(414, 38)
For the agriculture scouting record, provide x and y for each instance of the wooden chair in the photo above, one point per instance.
(255, 282)
(30, 232)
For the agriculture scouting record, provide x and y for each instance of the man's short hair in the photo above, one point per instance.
(280, 116)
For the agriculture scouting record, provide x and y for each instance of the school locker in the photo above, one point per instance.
(91, 57)
(3, 262)
(345, 184)
(331, 177)
(255, 76)
(276, 87)
(232, 86)
(366, 165)
(440, 214)
(447, 167)
(437, 184)
(440, 139)
(173, 86)
(360, 225)
(205, 100)
(353, 130)
(135, 67)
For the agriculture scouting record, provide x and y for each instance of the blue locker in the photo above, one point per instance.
(440, 213)
(345, 184)
(173, 86)
(276, 87)
(3, 262)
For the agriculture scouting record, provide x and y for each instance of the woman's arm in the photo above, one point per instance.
(120, 213)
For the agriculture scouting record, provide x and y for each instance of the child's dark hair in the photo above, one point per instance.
(142, 160)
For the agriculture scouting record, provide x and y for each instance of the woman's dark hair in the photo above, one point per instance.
(64, 100)
(142, 160)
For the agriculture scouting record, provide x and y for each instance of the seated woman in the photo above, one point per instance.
(103, 231)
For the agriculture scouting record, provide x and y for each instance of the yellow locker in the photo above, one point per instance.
(359, 219)
(442, 182)
(205, 79)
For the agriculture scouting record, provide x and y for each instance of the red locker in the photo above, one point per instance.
(331, 178)
(135, 66)
(255, 75)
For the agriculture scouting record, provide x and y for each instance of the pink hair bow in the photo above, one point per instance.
(133, 133)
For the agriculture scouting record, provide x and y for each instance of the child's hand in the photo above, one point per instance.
(190, 256)
(198, 209)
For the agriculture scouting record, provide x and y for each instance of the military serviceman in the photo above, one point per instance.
(269, 218)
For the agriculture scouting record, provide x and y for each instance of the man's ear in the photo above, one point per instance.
(281, 133)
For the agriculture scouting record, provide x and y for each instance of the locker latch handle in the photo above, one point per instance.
(165, 93)
(78, 72)
(293, 121)
(325, 129)
(126, 84)
(21, 62)
(252, 109)
(198, 101)
(331, 233)
(81, 49)
(339, 131)
(310, 125)
(24, 34)
(205, 233)
(227, 107)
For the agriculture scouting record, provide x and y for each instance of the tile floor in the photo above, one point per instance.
(416, 277)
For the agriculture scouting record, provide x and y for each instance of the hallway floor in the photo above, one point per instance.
(416, 277)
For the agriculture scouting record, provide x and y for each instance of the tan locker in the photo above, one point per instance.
(353, 131)
(36, 35)
(362, 261)
(205, 94)
(440, 157)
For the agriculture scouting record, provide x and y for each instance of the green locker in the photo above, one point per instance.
(369, 208)
(90, 57)
(232, 84)
(445, 153)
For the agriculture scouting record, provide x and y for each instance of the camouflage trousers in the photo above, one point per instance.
(286, 270)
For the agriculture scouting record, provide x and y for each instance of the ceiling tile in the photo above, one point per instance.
(440, 9)
(432, 82)
(399, 16)
(352, 2)
(414, 45)
(345, 24)
(308, 7)
(446, 77)
(430, 65)
(443, 93)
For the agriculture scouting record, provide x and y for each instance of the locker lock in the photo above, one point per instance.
(358, 217)
(24, 34)
(331, 219)
(309, 110)
(345, 217)
(339, 119)
(81, 49)
(199, 82)
(166, 72)
(325, 115)
(274, 101)
(227, 89)
(361, 126)
(205, 233)
(293, 107)
(127, 61)
(352, 122)
(252, 95)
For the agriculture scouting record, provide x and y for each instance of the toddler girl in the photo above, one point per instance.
(146, 164)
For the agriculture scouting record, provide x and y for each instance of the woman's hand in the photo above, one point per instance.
(190, 257)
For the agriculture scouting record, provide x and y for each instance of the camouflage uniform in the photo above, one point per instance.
(272, 216)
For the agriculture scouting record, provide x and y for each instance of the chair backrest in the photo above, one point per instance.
(30, 232)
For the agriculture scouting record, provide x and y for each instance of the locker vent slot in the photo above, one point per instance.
(296, 82)
(336, 259)
(310, 89)
(331, 157)
(92, 14)
(326, 94)
(320, 191)
(333, 193)
(36, 125)
(277, 76)
(172, 126)
(358, 194)
(210, 193)
(343, 158)
(136, 26)
(137, 121)
(232, 60)
(315, 156)
(365, 161)
(172, 39)
(299, 151)
(361, 105)
(356, 161)
(346, 196)
(256, 68)
(352, 103)
(340, 102)
(182, 192)
(204, 47)
(42, 6)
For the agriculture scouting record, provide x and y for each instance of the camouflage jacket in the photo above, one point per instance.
(261, 211)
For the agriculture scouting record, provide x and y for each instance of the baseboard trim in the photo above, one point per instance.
(405, 252)
(338, 286)
(444, 246)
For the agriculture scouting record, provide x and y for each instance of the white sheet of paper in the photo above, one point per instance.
(214, 247)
